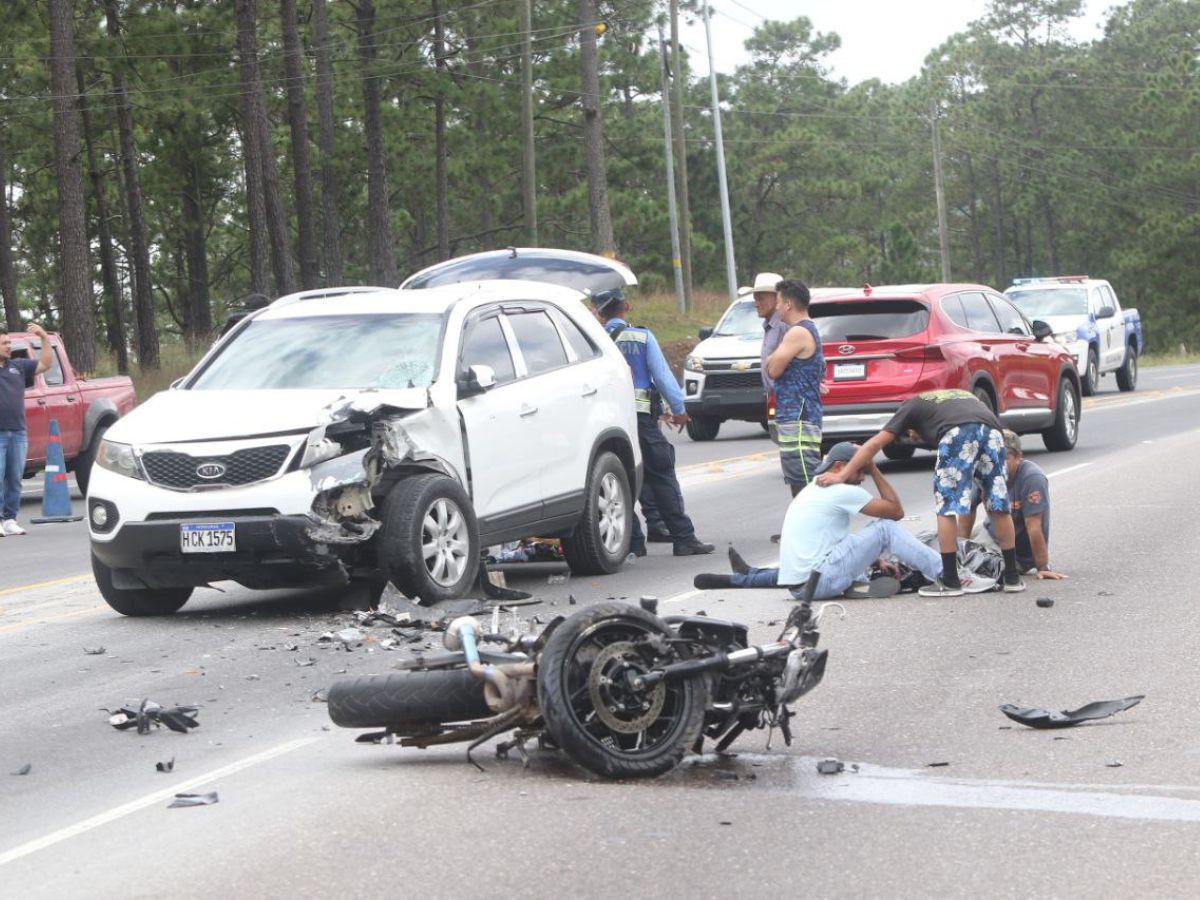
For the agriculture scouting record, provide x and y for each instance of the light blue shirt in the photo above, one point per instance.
(660, 370)
(817, 520)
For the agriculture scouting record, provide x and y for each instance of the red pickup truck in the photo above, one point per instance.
(83, 407)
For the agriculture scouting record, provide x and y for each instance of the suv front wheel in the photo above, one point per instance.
(600, 542)
(138, 601)
(429, 544)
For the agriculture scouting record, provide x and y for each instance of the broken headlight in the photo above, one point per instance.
(119, 458)
(320, 451)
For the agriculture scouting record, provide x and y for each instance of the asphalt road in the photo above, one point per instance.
(910, 682)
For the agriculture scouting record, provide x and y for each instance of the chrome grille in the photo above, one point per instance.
(718, 380)
(171, 469)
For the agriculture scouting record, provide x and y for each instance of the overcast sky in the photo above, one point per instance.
(887, 39)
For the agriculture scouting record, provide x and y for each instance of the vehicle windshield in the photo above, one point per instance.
(323, 352)
(1038, 303)
(739, 320)
(869, 320)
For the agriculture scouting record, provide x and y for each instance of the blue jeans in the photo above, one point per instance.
(849, 561)
(13, 446)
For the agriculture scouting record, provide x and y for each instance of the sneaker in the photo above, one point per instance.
(659, 537)
(974, 584)
(11, 528)
(711, 582)
(877, 588)
(736, 563)
(693, 547)
(937, 589)
(1010, 587)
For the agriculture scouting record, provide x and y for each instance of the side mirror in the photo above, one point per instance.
(176, 383)
(706, 333)
(1041, 330)
(1106, 312)
(476, 380)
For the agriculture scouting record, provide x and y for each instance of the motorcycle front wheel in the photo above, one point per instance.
(590, 707)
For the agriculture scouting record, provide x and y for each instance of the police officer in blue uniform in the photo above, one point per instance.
(652, 378)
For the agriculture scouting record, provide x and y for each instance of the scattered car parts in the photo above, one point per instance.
(1067, 718)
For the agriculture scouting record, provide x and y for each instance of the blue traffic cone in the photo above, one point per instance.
(56, 496)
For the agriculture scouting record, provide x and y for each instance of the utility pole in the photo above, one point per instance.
(528, 172)
(676, 267)
(730, 268)
(681, 162)
(939, 189)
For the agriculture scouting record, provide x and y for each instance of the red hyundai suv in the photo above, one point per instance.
(883, 345)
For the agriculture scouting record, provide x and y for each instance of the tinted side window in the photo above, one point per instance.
(580, 343)
(485, 345)
(952, 306)
(1011, 321)
(979, 314)
(54, 375)
(1109, 297)
(538, 340)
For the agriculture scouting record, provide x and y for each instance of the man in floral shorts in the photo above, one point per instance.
(970, 447)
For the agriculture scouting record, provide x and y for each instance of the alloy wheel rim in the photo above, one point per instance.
(611, 503)
(1071, 414)
(444, 542)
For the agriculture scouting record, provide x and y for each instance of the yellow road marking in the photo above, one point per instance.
(42, 620)
(73, 579)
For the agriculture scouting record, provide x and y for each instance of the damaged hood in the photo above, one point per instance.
(182, 416)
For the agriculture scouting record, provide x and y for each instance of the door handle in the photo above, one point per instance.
(71, 399)
(527, 410)
(588, 390)
(985, 346)
(41, 403)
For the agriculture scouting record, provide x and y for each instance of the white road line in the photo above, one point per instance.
(1074, 468)
(119, 812)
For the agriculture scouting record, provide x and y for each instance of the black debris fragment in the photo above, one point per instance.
(168, 766)
(95, 651)
(150, 714)
(24, 770)
(726, 822)
(936, 765)
(1041, 718)
(831, 766)
(721, 775)
(182, 800)
(1045, 602)
(1115, 764)
(1104, 594)
(649, 604)
(571, 599)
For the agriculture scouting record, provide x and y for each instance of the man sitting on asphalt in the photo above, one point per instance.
(1029, 497)
(816, 538)
(970, 448)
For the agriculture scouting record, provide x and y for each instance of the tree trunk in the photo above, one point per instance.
(439, 133)
(143, 296)
(78, 312)
(114, 324)
(379, 230)
(331, 239)
(256, 201)
(195, 301)
(593, 133)
(1043, 192)
(681, 165)
(973, 219)
(8, 272)
(998, 199)
(309, 264)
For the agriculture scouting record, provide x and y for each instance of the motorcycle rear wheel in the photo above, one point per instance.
(635, 734)
(409, 698)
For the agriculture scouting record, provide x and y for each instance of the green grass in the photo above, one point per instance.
(660, 314)
(176, 361)
(1150, 360)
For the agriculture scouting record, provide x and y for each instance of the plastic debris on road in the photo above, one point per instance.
(95, 651)
(831, 766)
(1042, 718)
(182, 800)
(168, 766)
(1045, 602)
(24, 770)
(151, 715)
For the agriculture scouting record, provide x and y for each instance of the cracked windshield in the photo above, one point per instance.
(317, 352)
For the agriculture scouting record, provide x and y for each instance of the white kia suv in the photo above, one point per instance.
(372, 434)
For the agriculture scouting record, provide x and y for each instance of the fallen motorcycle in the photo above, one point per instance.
(621, 691)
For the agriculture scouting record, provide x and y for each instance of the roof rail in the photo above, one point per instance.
(325, 293)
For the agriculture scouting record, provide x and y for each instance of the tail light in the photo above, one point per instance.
(930, 352)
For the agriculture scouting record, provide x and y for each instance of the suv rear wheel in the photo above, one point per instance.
(600, 542)
(1091, 375)
(429, 544)
(138, 601)
(703, 428)
(1127, 374)
(1063, 434)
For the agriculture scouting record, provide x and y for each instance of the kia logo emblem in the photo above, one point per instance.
(846, 349)
(210, 470)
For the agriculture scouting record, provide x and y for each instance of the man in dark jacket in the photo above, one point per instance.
(15, 376)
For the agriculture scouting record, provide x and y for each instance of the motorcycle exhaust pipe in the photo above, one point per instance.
(463, 634)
